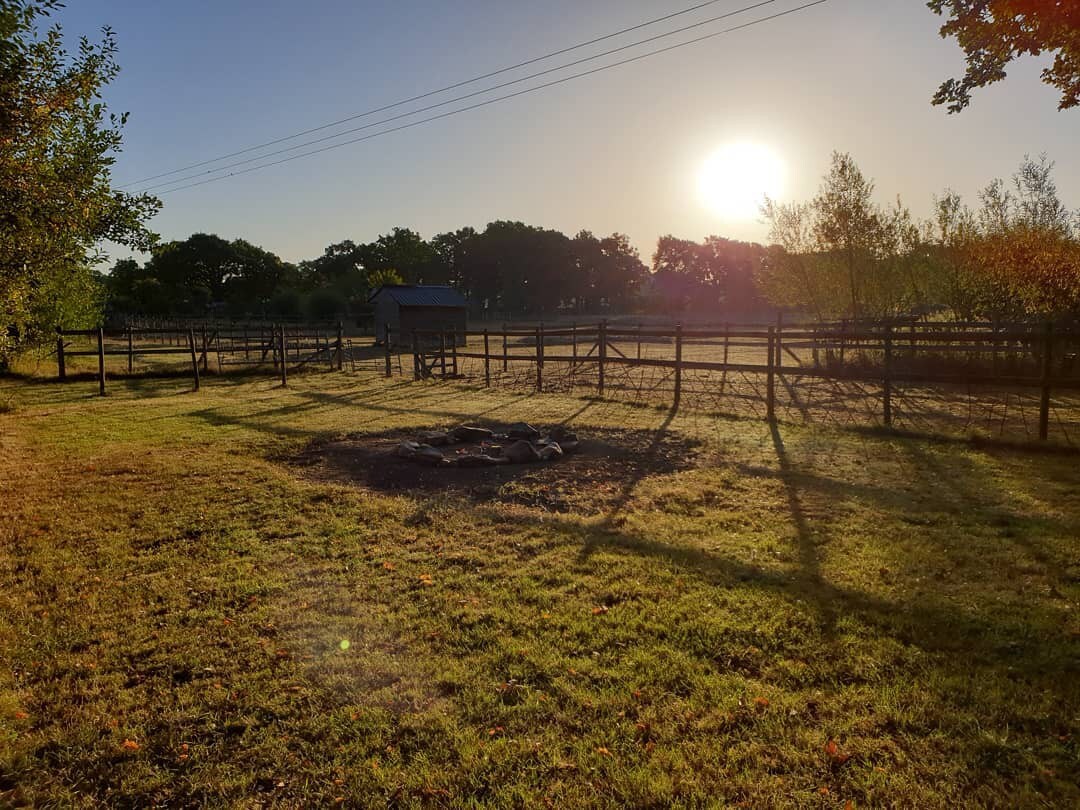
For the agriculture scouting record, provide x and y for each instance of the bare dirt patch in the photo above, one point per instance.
(605, 468)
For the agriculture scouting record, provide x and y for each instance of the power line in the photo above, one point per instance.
(504, 97)
(466, 96)
(429, 93)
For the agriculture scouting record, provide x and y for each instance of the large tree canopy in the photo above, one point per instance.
(58, 142)
(994, 32)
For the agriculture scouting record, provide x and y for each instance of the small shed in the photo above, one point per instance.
(421, 308)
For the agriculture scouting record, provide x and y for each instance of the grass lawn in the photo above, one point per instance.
(724, 615)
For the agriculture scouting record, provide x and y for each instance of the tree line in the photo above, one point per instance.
(1016, 255)
(508, 269)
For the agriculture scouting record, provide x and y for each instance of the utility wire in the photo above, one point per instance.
(503, 97)
(429, 93)
(464, 97)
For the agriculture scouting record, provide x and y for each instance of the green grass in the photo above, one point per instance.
(800, 617)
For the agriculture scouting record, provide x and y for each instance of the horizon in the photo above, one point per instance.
(518, 160)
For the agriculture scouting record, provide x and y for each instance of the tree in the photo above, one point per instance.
(58, 143)
(198, 273)
(452, 248)
(993, 33)
(842, 254)
(405, 251)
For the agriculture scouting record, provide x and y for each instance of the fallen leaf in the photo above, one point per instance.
(129, 745)
(599, 611)
(761, 703)
(603, 751)
(832, 749)
(21, 715)
(389, 566)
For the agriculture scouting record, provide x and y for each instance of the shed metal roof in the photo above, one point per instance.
(421, 295)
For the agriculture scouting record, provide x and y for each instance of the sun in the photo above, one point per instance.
(735, 180)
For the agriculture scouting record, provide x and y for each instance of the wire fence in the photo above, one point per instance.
(1010, 381)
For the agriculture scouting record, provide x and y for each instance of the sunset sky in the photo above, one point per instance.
(620, 151)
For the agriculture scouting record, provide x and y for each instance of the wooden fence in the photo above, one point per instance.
(251, 346)
(881, 372)
(1039, 359)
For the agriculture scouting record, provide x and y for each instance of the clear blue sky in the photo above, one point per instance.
(615, 152)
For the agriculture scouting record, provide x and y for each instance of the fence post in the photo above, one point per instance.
(61, 368)
(770, 386)
(602, 354)
(539, 359)
(131, 353)
(487, 360)
(416, 357)
(505, 360)
(442, 355)
(453, 353)
(779, 340)
(887, 377)
(341, 346)
(101, 359)
(1044, 404)
(284, 356)
(573, 347)
(386, 345)
(194, 358)
(639, 341)
(678, 365)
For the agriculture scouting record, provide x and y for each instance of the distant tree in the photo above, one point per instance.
(621, 276)
(842, 254)
(405, 251)
(383, 276)
(608, 273)
(57, 146)
(992, 33)
(1017, 256)
(716, 276)
(520, 268)
(1026, 254)
(205, 269)
(338, 267)
(734, 266)
(452, 248)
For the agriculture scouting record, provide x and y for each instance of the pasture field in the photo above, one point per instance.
(203, 602)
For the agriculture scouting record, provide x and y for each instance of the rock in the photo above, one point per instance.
(521, 452)
(522, 430)
(407, 449)
(570, 446)
(478, 460)
(429, 455)
(562, 434)
(471, 433)
(551, 452)
(436, 438)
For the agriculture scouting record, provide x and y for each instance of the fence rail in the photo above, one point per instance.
(886, 371)
(1012, 357)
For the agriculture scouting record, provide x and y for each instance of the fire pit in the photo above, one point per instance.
(473, 446)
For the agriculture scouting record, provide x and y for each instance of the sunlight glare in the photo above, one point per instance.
(735, 180)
